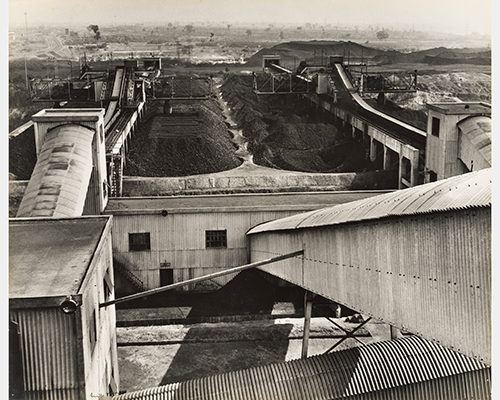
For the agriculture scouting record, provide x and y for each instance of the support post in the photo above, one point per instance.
(373, 150)
(167, 107)
(400, 169)
(387, 158)
(395, 333)
(307, 322)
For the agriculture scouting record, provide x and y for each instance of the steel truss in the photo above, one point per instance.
(281, 83)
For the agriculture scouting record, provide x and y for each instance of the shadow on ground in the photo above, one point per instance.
(197, 360)
(251, 293)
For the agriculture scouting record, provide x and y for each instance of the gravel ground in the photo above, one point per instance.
(208, 349)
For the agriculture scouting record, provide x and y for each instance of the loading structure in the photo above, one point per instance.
(419, 156)
(123, 93)
(417, 259)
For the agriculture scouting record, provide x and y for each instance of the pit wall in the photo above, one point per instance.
(141, 186)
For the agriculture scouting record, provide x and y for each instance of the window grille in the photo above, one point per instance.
(215, 239)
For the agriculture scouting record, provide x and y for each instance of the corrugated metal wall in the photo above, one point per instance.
(179, 239)
(59, 359)
(428, 274)
(49, 355)
(100, 358)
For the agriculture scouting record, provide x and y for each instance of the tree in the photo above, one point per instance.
(249, 32)
(382, 35)
(189, 29)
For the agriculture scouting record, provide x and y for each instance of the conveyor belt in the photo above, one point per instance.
(114, 133)
(115, 94)
(393, 127)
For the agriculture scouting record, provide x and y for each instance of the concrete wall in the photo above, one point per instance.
(140, 186)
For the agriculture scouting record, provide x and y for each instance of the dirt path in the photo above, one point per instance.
(238, 138)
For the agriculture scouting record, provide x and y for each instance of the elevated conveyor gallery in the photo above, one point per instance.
(69, 178)
(418, 259)
(59, 183)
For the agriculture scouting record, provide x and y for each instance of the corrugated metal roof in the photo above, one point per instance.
(478, 131)
(58, 185)
(459, 192)
(374, 368)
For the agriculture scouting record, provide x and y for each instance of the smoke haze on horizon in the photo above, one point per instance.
(458, 16)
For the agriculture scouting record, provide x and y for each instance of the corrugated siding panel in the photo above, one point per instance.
(407, 368)
(477, 132)
(429, 274)
(49, 353)
(464, 191)
(179, 239)
(58, 185)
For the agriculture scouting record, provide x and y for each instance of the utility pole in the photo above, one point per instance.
(25, 51)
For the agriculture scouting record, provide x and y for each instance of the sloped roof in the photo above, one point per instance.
(366, 369)
(58, 185)
(464, 191)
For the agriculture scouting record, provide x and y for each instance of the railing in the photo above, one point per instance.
(125, 271)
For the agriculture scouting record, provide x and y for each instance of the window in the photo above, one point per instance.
(215, 238)
(139, 241)
(107, 286)
(92, 330)
(435, 126)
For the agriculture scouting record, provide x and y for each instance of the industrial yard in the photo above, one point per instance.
(249, 210)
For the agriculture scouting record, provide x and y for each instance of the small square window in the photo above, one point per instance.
(435, 126)
(215, 238)
(139, 241)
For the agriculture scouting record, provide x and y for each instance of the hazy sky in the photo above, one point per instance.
(460, 16)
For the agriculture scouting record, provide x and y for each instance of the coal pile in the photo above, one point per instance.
(22, 155)
(192, 140)
(284, 132)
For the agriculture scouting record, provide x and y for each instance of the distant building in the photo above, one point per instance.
(62, 344)
(458, 139)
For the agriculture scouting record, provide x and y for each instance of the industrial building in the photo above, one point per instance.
(418, 259)
(158, 241)
(62, 345)
(458, 139)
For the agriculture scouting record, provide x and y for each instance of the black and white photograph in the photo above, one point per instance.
(250, 200)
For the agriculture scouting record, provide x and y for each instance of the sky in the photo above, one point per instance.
(457, 16)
